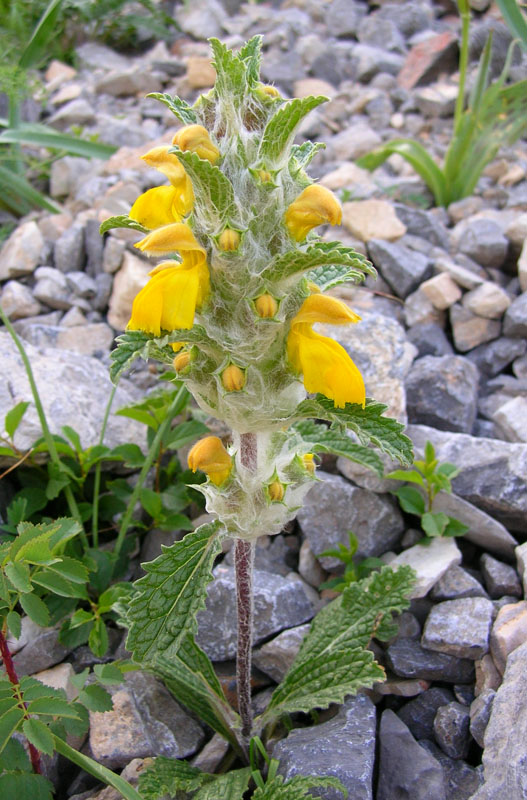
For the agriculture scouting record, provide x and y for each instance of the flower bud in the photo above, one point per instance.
(196, 138)
(309, 462)
(314, 206)
(270, 91)
(211, 457)
(265, 176)
(233, 378)
(266, 306)
(229, 240)
(181, 361)
(276, 491)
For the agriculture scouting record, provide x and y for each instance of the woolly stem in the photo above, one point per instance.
(243, 561)
(9, 666)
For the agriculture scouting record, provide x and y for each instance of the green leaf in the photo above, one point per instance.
(52, 707)
(251, 54)
(151, 502)
(281, 129)
(139, 415)
(14, 623)
(171, 593)
(14, 757)
(231, 73)
(136, 344)
(167, 776)
(98, 638)
(95, 698)
(449, 470)
(114, 594)
(325, 263)
(455, 527)
(33, 689)
(72, 569)
(38, 734)
(35, 608)
(334, 440)
(302, 154)
(514, 19)
(434, 523)
(213, 191)
(131, 454)
(25, 786)
(411, 500)
(230, 786)
(109, 674)
(42, 136)
(296, 788)
(80, 617)
(189, 675)
(13, 417)
(367, 423)
(9, 723)
(184, 433)
(17, 192)
(410, 475)
(44, 31)
(121, 221)
(55, 583)
(18, 574)
(178, 107)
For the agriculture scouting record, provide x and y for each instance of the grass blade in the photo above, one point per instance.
(514, 19)
(37, 45)
(46, 137)
(17, 192)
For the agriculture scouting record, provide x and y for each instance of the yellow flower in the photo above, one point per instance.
(156, 207)
(210, 455)
(196, 138)
(181, 361)
(325, 365)
(266, 306)
(309, 462)
(233, 378)
(276, 491)
(170, 298)
(229, 240)
(314, 206)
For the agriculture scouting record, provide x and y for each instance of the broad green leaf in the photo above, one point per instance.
(410, 475)
(324, 263)
(296, 788)
(189, 675)
(167, 776)
(55, 583)
(251, 54)
(17, 191)
(108, 674)
(367, 423)
(52, 707)
(434, 523)
(33, 689)
(448, 469)
(14, 757)
(80, 617)
(121, 221)
(131, 454)
(18, 574)
(41, 136)
(72, 569)
(9, 723)
(39, 736)
(455, 527)
(178, 107)
(281, 128)
(411, 500)
(25, 786)
(334, 440)
(95, 698)
(171, 593)
(139, 415)
(184, 433)
(213, 191)
(230, 786)
(151, 502)
(14, 416)
(14, 623)
(172, 522)
(80, 725)
(98, 638)
(35, 608)
(114, 594)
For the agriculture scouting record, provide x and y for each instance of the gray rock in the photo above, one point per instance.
(515, 320)
(81, 284)
(482, 240)
(430, 562)
(382, 33)
(480, 710)
(354, 141)
(92, 55)
(94, 244)
(419, 714)
(408, 626)
(410, 17)
(504, 755)
(21, 252)
(18, 301)
(103, 291)
(125, 82)
(202, 19)
(461, 780)
(69, 251)
(457, 583)
(493, 473)
(269, 555)
(406, 770)
(500, 579)
(278, 603)
(443, 393)
(275, 657)
(459, 627)
(113, 254)
(408, 659)
(334, 506)
(41, 651)
(451, 729)
(470, 330)
(76, 112)
(493, 357)
(483, 530)
(430, 339)
(344, 17)
(282, 68)
(343, 747)
(402, 268)
(51, 288)
(74, 391)
(368, 61)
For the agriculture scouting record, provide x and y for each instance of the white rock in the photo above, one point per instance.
(488, 300)
(18, 301)
(354, 142)
(462, 276)
(20, 254)
(521, 560)
(59, 677)
(347, 175)
(372, 219)
(429, 561)
(441, 290)
(512, 419)
(130, 279)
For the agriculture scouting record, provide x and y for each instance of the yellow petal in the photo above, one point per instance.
(326, 366)
(167, 302)
(322, 308)
(173, 238)
(196, 138)
(169, 165)
(210, 455)
(156, 207)
(316, 205)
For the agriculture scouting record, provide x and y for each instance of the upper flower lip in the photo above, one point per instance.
(321, 308)
(315, 205)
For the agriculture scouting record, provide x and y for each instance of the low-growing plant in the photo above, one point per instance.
(494, 115)
(431, 477)
(352, 571)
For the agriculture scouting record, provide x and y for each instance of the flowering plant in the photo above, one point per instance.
(231, 308)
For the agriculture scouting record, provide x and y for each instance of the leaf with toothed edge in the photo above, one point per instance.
(281, 128)
(212, 189)
(138, 344)
(251, 55)
(122, 221)
(178, 107)
(324, 263)
(302, 154)
(296, 788)
(335, 440)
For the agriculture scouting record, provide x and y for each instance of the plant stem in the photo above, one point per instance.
(13, 122)
(50, 443)
(173, 409)
(243, 562)
(464, 10)
(9, 667)
(97, 479)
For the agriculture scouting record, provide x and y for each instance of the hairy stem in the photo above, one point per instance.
(9, 667)
(243, 561)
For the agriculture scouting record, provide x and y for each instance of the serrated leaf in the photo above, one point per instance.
(38, 734)
(95, 698)
(33, 689)
(188, 673)
(9, 723)
(178, 107)
(212, 190)
(302, 154)
(367, 423)
(25, 786)
(136, 344)
(296, 788)
(14, 623)
(455, 527)
(52, 707)
(231, 72)
(108, 674)
(13, 417)
(35, 608)
(334, 440)
(151, 502)
(324, 263)
(251, 54)
(410, 475)
(121, 221)
(281, 128)
(230, 786)
(14, 758)
(411, 500)
(72, 569)
(18, 574)
(55, 583)
(171, 593)
(165, 776)
(131, 454)
(98, 638)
